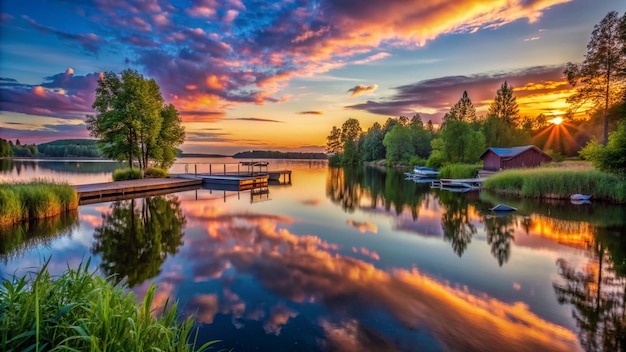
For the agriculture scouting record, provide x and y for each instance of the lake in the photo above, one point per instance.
(347, 260)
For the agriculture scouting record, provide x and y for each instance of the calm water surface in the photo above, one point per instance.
(348, 260)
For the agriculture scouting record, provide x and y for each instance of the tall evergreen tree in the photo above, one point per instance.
(600, 78)
(463, 110)
(505, 106)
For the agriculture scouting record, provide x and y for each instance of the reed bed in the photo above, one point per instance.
(35, 200)
(81, 311)
(126, 174)
(548, 182)
(459, 171)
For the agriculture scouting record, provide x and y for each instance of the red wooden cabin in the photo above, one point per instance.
(496, 159)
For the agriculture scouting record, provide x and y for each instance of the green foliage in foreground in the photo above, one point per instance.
(156, 172)
(549, 182)
(609, 158)
(126, 174)
(460, 170)
(80, 311)
(35, 200)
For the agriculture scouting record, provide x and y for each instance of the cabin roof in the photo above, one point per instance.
(509, 152)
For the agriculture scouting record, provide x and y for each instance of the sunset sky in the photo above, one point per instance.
(279, 74)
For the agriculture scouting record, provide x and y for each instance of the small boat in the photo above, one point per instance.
(422, 171)
(502, 207)
(579, 196)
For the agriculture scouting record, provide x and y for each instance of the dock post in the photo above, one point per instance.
(210, 171)
(224, 169)
(195, 167)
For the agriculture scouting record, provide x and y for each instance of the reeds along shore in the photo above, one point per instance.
(81, 311)
(555, 183)
(35, 200)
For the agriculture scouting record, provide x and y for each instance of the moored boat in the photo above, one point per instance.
(579, 196)
(422, 171)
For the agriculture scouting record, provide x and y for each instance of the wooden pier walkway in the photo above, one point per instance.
(122, 188)
(238, 180)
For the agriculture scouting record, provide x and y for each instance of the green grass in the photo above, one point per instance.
(551, 182)
(126, 174)
(35, 200)
(459, 171)
(156, 172)
(81, 311)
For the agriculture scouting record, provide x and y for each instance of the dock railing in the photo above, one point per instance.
(244, 168)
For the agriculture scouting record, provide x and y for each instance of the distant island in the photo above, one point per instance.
(271, 154)
(200, 155)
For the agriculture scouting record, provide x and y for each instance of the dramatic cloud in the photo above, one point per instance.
(434, 97)
(88, 41)
(63, 95)
(212, 55)
(362, 89)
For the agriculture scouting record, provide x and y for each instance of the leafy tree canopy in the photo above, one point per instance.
(131, 122)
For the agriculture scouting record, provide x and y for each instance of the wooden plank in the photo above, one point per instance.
(132, 186)
(116, 197)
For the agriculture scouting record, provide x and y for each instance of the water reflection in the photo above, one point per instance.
(458, 228)
(354, 188)
(281, 281)
(136, 237)
(597, 293)
(15, 240)
(463, 216)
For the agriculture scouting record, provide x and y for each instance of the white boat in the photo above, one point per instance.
(421, 171)
(579, 196)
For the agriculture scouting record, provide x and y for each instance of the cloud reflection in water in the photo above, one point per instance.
(305, 270)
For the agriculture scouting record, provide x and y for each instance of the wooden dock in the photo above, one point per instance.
(240, 182)
(460, 184)
(129, 187)
(275, 175)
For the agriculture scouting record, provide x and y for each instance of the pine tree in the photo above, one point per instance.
(505, 106)
(601, 77)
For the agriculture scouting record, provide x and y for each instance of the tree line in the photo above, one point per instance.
(461, 137)
(596, 108)
(66, 148)
(272, 154)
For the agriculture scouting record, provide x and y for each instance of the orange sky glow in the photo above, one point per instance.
(245, 76)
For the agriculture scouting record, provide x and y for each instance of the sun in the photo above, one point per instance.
(556, 120)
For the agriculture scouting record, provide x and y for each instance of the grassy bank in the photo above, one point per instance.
(460, 170)
(35, 200)
(547, 182)
(80, 311)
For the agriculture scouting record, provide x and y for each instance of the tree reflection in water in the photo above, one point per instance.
(136, 237)
(455, 221)
(500, 231)
(598, 292)
(368, 187)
